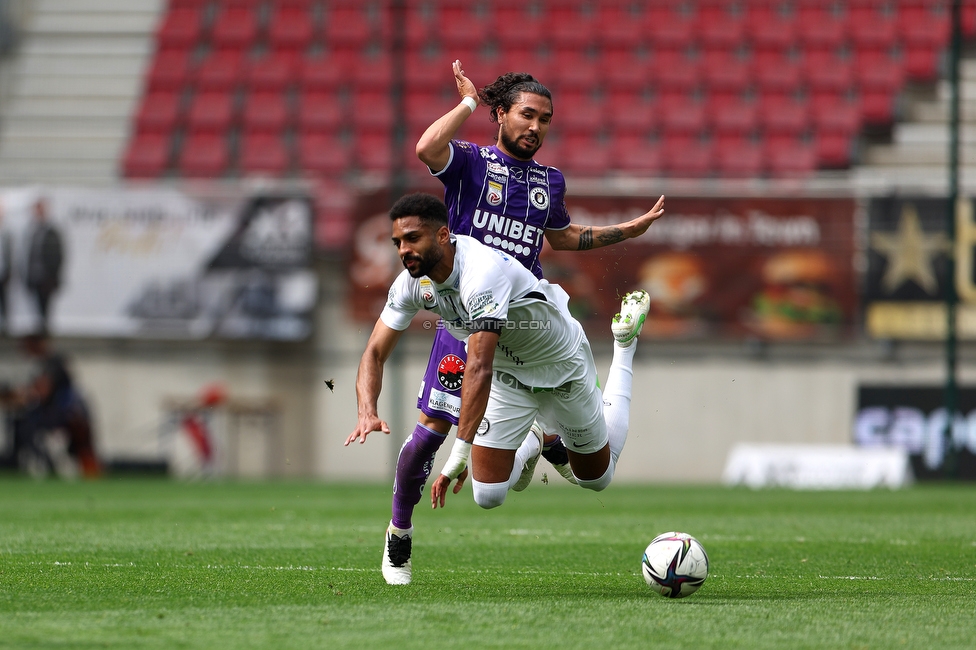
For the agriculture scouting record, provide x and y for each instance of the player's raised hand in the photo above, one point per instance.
(366, 425)
(639, 226)
(464, 85)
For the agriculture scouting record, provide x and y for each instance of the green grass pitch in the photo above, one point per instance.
(141, 563)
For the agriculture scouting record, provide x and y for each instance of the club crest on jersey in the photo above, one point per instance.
(494, 196)
(427, 292)
(450, 371)
(539, 197)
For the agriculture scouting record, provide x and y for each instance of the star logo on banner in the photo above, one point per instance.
(909, 251)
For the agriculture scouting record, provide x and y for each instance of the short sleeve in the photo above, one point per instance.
(401, 305)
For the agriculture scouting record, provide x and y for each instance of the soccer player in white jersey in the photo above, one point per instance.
(500, 195)
(527, 357)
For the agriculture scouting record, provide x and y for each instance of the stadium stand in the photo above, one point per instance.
(820, 72)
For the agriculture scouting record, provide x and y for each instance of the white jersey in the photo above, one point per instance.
(490, 290)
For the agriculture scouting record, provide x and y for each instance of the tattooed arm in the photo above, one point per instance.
(581, 238)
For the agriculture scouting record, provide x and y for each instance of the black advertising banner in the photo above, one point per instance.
(774, 268)
(913, 418)
(907, 275)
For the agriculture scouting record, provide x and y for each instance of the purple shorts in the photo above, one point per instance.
(440, 392)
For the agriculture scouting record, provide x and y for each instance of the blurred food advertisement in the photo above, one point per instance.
(907, 276)
(769, 268)
(166, 263)
(913, 418)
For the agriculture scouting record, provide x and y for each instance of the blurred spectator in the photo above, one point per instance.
(49, 403)
(6, 265)
(44, 257)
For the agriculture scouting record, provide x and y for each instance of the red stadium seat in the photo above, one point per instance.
(877, 106)
(822, 27)
(373, 72)
(769, 27)
(372, 113)
(779, 115)
(877, 71)
(319, 113)
(835, 114)
(775, 72)
(833, 150)
(348, 27)
(169, 71)
(629, 112)
(871, 28)
(159, 112)
(147, 156)
(666, 26)
(273, 73)
(921, 64)
(724, 75)
(787, 158)
(373, 153)
(422, 72)
(519, 23)
(924, 26)
(234, 28)
(569, 28)
(291, 28)
(459, 25)
(579, 111)
(682, 117)
(738, 118)
(584, 154)
(211, 113)
(263, 154)
(327, 155)
(327, 73)
(420, 27)
(221, 71)
(203, 156)
(265, 113)
(575, 72)
(619, 26)
(623, 68)
(180, 28)
(674, 72)
(827, 72)
(693, 160)
(637, 154)
(720, 28)
(739, 158)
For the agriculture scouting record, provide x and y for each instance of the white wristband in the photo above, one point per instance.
(470, 102)
(458, 459)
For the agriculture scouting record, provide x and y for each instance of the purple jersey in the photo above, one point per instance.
(502, 202)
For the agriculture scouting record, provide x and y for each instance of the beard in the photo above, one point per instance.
(519, 148)
(425, 262)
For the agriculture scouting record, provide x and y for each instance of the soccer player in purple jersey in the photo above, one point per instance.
(500, 196)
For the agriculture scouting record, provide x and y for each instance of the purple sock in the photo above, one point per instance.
(414, 465)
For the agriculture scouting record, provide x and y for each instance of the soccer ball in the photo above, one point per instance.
(675, 565)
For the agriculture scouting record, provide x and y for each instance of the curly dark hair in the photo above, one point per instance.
(505, 90)
(430, 209)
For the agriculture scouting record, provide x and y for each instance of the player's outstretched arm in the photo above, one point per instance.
(581, 238)
(433, 148)
(369, 381)
(474, 401)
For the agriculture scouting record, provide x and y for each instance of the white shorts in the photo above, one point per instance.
(573, 410)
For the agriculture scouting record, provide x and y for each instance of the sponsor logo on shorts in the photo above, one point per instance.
(483, 427)
(450, 371)
(445, 402)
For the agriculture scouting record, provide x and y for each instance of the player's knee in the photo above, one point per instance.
(597, 484)
(489, 495)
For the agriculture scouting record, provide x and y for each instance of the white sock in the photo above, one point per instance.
(489, 495)
(528, 449)
(616, 398)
